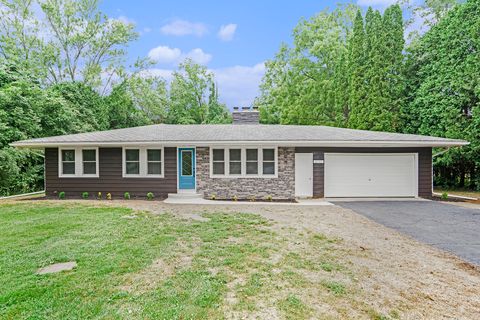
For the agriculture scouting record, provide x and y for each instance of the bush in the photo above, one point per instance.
(150, 196)
(109, 196)
(235, 198)
(213, 196)
(99, 196)
(85, 195)
(269, 198)
(444, 196)
(126, 196)
(61, 195)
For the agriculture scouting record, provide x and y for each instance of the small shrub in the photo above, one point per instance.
(269, 198)
(252, 199)
(126, 196)
(61, 195)
(150, 196)
(109, 196)
(99, 196)
(85, 195)
(444, 196)
(235, 198)
(213, 196)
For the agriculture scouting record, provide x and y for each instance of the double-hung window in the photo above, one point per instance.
(132, 161)
(78, 162)
(68, 162)
(89, 161)
(218, 161)
(247, 162)
(268, 158)
(154, 161)
(143, 162)
(235, 161)
(252, 161)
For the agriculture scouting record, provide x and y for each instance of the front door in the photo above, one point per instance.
(304, 175)
(186, 168)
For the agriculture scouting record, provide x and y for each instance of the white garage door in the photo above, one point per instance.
(370, 175)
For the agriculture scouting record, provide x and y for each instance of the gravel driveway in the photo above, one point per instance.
(445, 226)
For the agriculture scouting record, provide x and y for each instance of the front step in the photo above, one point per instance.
(185, 196)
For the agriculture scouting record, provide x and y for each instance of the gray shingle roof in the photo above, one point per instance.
(227, 133)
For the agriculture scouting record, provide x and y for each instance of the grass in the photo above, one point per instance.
(159, 266)
(459, 192)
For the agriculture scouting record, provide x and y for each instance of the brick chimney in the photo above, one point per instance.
(245, 115)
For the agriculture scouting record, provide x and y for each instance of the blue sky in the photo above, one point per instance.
(233, 38)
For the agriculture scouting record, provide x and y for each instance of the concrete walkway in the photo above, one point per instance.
(300, 202)
(452, 228)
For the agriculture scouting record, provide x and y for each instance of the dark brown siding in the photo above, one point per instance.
(110, 180)
(424, 165)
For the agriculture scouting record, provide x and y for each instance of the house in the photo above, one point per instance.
(244, 159)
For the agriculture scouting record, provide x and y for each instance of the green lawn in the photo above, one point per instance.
(160, 266)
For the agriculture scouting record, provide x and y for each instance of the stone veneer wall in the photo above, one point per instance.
(282, 187)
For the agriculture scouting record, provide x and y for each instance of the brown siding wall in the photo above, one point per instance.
(110, 180)
(424, 165)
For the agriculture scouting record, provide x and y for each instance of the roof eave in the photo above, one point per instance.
(377, 143)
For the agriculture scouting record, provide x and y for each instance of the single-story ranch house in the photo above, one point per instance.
(240, 160)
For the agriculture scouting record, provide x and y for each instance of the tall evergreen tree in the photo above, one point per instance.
(357, 59)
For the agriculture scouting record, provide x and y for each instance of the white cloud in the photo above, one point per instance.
(376, 3)
(180, 27)
(198, 56)
(227, 32)
(125, 20)
(239, 85)
(164, 54)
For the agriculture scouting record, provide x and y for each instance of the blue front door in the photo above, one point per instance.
(186, 168)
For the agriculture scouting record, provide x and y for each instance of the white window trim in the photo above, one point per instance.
(244, 162)
(78, 163)
(143, 171)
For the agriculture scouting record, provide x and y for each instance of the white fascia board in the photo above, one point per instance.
(246, 143)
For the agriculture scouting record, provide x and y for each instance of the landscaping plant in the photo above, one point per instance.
(150, 196)
(85, 195)
(61, 195)
(126, 196)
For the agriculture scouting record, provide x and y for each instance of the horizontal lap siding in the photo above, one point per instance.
(110, 180)
(424, 165)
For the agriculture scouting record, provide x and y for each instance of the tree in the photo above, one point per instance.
(307, 84)
(443, 91)
(194, 98)
(70, 40)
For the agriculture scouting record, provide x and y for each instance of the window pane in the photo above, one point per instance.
(186, 163)
(89, 155)
(132, 154)
(268, 154)
(235, 168)
(252, 167)
(133, 168)
(269, 168)
(252, 154)
(68, 167)
(89, 168)
(235, 155)
(154, 168)
(154, 155)
(218, 155)
(68, 155)
(219, 168)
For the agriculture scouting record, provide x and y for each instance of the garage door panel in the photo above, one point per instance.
(370, 175)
